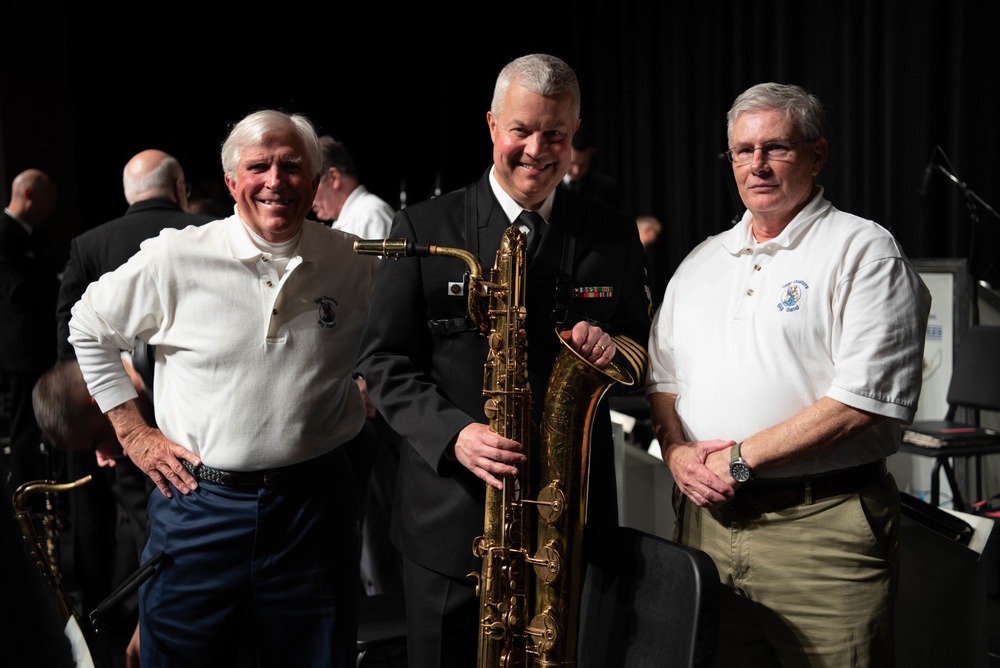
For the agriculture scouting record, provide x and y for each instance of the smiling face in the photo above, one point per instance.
(271, 186)
(531, 143)
(775, 190)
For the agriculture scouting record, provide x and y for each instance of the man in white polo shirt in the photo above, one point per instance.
(257, 321)
(783, 358)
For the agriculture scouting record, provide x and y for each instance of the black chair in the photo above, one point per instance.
(646, 602)
(382, 631)
(974, 386)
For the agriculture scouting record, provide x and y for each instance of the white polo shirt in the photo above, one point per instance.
(365, 214)
(252, 371)
(749, 335)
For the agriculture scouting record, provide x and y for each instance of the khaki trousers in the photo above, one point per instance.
(811, 585)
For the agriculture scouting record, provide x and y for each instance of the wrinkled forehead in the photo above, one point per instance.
(523, 106)
(762, 124)
(282, 145)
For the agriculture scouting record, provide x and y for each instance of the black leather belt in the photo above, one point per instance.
(268, 478)
(763, 496)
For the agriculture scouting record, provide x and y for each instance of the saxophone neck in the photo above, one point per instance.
(397, 248)
(25, 490)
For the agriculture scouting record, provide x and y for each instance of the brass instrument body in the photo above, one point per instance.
(504, 594)
(43, 543)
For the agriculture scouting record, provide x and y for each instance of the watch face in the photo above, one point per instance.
(740, 471)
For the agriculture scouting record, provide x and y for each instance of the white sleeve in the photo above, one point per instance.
(100, 358)
(107, 320)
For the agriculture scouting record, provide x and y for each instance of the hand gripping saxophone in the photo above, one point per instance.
(506, 595)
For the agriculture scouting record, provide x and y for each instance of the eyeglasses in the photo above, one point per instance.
(187, 189)
(772, 150)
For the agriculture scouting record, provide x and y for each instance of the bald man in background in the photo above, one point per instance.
(157, 196)
(108, 516)
(28, 286)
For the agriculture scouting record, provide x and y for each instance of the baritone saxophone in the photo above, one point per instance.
(529, 601)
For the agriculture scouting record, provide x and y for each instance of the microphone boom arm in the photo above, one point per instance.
(966, 189)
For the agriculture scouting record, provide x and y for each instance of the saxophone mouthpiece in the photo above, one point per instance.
(391, 248)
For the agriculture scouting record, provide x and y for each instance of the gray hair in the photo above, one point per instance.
(335, 154)
(157, 182)
(540, 73)
(801, 107)
(251, 131)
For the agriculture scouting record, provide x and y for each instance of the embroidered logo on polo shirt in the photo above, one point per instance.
(327, 311)
(593, 291)
(791, 296)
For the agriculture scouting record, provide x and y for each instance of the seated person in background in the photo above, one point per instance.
(69, 416)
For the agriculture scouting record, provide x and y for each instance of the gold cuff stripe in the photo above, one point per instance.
(636, 355)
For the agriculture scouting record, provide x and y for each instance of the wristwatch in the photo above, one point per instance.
(738, 468)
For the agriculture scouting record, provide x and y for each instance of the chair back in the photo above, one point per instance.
(648, 602)
(975, 377)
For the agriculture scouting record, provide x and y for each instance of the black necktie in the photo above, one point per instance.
(535, 224)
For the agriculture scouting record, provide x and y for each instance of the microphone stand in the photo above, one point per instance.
(971, 202)
(97, 619)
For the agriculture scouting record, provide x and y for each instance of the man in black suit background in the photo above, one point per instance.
(424, 365)
(586, 181)
(108, 516)
(157, 195)
(28, 285)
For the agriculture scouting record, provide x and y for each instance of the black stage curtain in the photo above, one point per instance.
(904, 83)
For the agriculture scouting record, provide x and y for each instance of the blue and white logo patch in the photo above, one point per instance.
(327, 311)
(791, 295)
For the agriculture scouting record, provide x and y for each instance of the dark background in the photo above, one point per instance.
(905, 83)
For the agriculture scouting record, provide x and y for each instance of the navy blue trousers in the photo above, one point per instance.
(281, 559)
